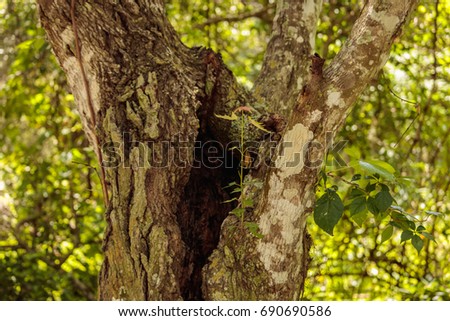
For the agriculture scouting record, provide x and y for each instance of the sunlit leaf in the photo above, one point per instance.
(257, 125)
(353, 152)
(231, 117)
(236, 190)
(387, 233)
(376, 167)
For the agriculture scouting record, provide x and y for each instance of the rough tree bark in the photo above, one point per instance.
(146, 101)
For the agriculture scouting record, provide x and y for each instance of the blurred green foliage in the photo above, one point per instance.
(51, 215)
(403, 118)
(238, 29)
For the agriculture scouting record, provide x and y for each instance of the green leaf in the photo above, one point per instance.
(238, 211)
(353, 152)
(76, 154)
(254, 229)
(360, 218)
(399, 216)
(370, 187)
(420, 228)
(324, 177)
(386, 166)
(383, 200)
(376, 167)
(372, 206)
(406, 235)
(411, 225)
(356, 192)
(400, 223)
(357, 205)
(387, 233)
(25, 44)
(328, 211)
(232, 117)
(257, 125)
(417, 242)
(254, 182)
(236, 190)
(232, 184)
(247, 202)
(395, 224)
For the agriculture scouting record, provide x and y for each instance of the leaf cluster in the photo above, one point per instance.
(245, 202)
(369, 194)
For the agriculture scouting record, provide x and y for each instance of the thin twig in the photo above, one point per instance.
(235, 18)
(403, 99)
(434, 86)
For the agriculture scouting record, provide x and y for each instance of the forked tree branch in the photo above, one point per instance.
(286, 62)
(364, 54)
(281, 256)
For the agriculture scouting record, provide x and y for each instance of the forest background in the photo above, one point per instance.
(51, 209)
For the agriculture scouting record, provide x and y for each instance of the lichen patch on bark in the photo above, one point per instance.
(294, 144)
(387, 20)
(334, 100)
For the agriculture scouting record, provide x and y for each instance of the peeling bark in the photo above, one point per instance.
(169, 236)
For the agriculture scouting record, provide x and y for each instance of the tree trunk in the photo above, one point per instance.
(147, 104)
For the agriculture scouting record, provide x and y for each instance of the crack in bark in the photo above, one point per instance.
(200, 217)
(127, 212)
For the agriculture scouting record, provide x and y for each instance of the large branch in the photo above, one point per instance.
(138, 88)
(286, 62)
(281, 256)
(363, 55)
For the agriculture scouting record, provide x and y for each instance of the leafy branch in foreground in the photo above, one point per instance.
(370, 192)
(244, 201)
